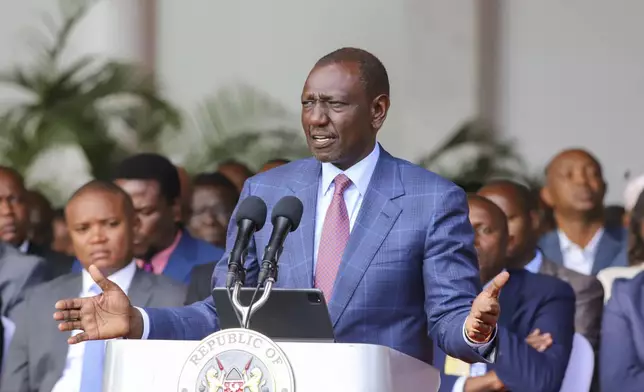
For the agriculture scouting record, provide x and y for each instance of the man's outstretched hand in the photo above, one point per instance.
(480, 323)
(105, 316)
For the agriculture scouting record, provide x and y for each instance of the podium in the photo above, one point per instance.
(157, 365)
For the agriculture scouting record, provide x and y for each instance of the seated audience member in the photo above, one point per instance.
(41, 215)
(536, 325)
(61, 242)
(18, 273)
(273, 163)
(575, 190)
(236, 172)
(213, 201)
(161, 245)
(634, 251)
(15, 224)
(621, 364)
(520, 208)
(632, 191)
(102, 222)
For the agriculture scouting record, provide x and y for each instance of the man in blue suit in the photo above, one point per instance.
(575, 190)
(403, 267)
(621, 357)
(161, 245)
(536, 327)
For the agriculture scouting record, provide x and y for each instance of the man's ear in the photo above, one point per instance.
(546, 196)
(379, 110)
(177, 211)
(535, 220)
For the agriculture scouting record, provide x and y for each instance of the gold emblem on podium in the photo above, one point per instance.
(237, 360)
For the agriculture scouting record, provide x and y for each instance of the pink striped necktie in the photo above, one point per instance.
(335, 235)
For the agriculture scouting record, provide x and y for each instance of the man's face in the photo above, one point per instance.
(158, 217)
(339, 121)
(100, 230)
(522, 223)
(14, 211)
(575, 183)
(490, 238)
(212, 207)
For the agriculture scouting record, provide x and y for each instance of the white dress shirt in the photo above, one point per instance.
(360, 175)
(577, 258)
(71, 378)
(535, 264)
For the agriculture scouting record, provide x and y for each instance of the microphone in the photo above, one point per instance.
(251, 216)
(286, 217)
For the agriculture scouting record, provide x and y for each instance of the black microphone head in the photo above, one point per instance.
(254, 209)
(289, 207)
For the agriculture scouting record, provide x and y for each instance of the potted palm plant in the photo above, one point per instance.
(475, 154)
(107, 108)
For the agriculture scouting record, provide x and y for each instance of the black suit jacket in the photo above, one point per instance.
(57, 264)
(200, 283)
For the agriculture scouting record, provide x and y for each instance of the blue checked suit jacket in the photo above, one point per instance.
(408, 273)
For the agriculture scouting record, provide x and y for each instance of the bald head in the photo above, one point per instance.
(490, 235)
(574, 185)
(573, 154)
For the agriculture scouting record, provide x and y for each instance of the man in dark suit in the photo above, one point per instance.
(15, 224)
(410, 237)
(621, 364)
(18, 273)
(575, 190)
(102, 222)
(536, 326)
(161, 245)
(521, 209)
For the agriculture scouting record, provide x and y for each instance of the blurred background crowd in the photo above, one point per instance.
(530, 107)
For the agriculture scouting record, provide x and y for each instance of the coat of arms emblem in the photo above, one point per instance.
(237, 360)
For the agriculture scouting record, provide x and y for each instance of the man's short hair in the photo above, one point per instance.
(106, 187)
(234, 162)
(373, 73)
(215, 179)
(526, 196)
(14, 173)
(153, 167)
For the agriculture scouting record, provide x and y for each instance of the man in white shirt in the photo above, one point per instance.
(575, 190)
(101, 221)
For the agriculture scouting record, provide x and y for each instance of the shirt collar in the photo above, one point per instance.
(535, 264)
(566, 244)
(359, 174)
(24, 247)
(122, 278)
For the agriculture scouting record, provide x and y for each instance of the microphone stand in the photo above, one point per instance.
(244, 313)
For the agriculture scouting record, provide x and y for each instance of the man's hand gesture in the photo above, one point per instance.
(105, 316)
(480, 323)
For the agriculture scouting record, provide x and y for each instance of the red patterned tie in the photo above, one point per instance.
(335, 235)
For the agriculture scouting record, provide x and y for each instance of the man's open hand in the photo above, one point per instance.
(481, 321)
(105, 316)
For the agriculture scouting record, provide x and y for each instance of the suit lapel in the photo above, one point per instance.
(551, 248)
(610, 244)
(70, 288)
(177, 266)
(140, 291)
(305, 186)
(374, 222)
